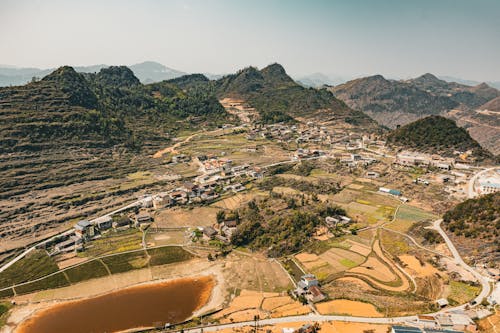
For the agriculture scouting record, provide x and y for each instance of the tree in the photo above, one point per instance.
(209, 257)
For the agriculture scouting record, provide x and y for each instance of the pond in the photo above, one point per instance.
(150, 305)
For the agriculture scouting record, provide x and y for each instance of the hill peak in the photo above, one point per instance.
(117, 76)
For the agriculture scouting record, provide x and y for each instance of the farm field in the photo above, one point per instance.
(36, 264)
(185, 217)
(250, 303)
(113, 242)
(237, 200)
(347, 307)
(407, 216)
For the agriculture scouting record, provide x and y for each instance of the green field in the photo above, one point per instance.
(113, 242)
(461, 292)
(168, 255)
(407, 216)
(54, 281)
(126, 262)
(36, 264)
(4, 308)
(86, 271)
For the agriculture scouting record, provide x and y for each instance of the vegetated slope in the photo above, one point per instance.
(436, 134)
(492, 105)
(475, 224)
(278, 98)
(70, 129)
(469, 96)
(391, 102)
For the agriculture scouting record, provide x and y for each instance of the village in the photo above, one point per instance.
(366, 165)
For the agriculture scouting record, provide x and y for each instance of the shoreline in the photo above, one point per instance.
(29, 308)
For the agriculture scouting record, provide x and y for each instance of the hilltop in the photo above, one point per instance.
(389, 102)
(392, 103)
(475, 224)
(277, 97)
(436, 135)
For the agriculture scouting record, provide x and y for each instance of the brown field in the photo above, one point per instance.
(339, 258)
(326, 327)
(362, 284)
(375, 268)
(254, 272)
(237, 200)
(360, 248)
(183, 217)
(343, 306)
(414, 265)
(249, 303)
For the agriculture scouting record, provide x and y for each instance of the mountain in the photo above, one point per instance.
(399, 102)
(475, 225)
(436, 135)
(391, 102)
(277, 97)
(492, 105)
(107, 108)
(494, 84)
(150, 71)
(471, 97)
(147, 72)
(317, 80)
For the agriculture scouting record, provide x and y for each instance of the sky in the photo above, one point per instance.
(395, 38)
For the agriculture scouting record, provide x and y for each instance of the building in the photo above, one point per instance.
(315, 295)
(456, 321)
(72, 244)
(121, 222)
(143, 220)
(307, 281)
(405, 329)
(103, 223)
(410, 329)
(442, 302)
(84, 229)
(209, 233)
(489, 185)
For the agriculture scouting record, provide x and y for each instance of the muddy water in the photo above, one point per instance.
(141, 306)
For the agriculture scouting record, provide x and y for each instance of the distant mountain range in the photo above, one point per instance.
(146, 72)
(399, 102)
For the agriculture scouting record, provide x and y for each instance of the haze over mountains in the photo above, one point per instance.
(392, 103)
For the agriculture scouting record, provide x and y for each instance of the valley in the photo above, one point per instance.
(295, 216)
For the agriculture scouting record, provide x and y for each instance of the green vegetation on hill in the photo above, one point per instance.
(280, 224)
(278, 98)
(476, 222)
(436, 134)
(94, 110)
(479, 217)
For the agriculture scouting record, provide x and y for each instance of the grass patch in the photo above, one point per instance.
(293, 269)
(35, 265)
(168, 255)
(6, 293)
(86, 271)
(4, 308)
(348, 263)
(394, 243)
(126, 262)
(461, 292)
(112, 242)
(53, 281)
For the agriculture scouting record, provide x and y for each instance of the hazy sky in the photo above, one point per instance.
(398, 38)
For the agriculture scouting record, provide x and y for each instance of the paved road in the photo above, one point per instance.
(305, 318)
(485, 281)
(471, 193)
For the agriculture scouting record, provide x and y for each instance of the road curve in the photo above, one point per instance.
(470, 187)
(485, 281)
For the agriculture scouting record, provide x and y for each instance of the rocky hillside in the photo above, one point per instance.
(389, 102)
(66, 140)
(475, 226)
(436, 134)
(277, 97)
(393, 103)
